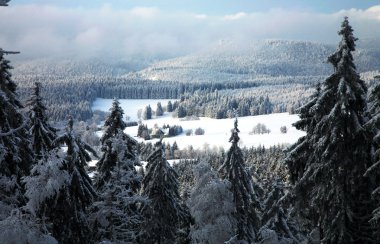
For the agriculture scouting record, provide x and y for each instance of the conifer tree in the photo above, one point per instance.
(276, 216)
(114, 129)
(60, 191)
(373, 126)
(159, 109)
(114, 121)
(115, 216)
(16, 156)
(169, 107)
(328, 164)
(41, 132)
(147, 113)
(245, 199)
(164, 214)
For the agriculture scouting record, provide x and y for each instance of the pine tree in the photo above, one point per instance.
(114, 129)
(169, 107)
(60, 191)
(276, 217)
(115, 216)
(16, 156)
(164, 214)
(42, 133)
(300, 150)
(373, 126)
(114, 121)
(159, 109)
(328, 164)
(147, 113)
(245, 199)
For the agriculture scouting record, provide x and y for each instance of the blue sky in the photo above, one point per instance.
(215, 7)
(174, 27)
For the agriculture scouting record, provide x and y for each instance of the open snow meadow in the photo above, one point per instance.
(217, 131)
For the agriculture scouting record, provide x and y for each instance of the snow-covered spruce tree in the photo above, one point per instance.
(159, 109)
(147, 113)
(42, 134)
(307, 123)
(211, 204)
(164, 215)
(328, 171)
(115, 217)
(169, 107)
(246, 202)
(114, 126)
(60, 191)
(277, 225)
(16, 156)
(22, 228)
(373, 125)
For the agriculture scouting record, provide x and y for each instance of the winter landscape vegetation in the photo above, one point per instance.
(125, 123)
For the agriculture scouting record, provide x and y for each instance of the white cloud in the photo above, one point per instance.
(40, 31)
(200, 16)
(235, 16)
(145, 12)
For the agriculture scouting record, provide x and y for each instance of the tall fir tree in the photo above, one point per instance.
(328, 164)
(373, 126)
(164, 215)
(114, 126)
(115, 215)
(60, 191)
(42, 134)
(245, 199)
(16, 156)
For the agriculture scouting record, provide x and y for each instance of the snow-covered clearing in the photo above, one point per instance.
(130, 106)
(217, 131)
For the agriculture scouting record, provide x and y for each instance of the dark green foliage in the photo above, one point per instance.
(276, 213)
(328, 164)
(181, 112)
(159, 110)
(114, 216)
(16, 156)
(114, 121)
(113, 156)
(215, 105)
(66, 209)
(373, 172)
(147, 113)
(245, 199)
(169, 107)
(165, 215)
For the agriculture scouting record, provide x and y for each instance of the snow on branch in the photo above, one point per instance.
(10, 132)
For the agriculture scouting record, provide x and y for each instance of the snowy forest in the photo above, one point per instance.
(325, 188)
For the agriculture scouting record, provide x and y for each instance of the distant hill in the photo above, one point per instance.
(266, 67)
(260, 59)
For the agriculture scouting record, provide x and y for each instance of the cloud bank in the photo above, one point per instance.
(47, 31)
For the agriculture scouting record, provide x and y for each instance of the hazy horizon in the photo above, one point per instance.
(41, 29)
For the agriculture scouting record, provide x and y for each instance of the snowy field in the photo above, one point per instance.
(217, 131)
(130, 106)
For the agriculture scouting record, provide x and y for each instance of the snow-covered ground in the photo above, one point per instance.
(217, 131)
(130, 106)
